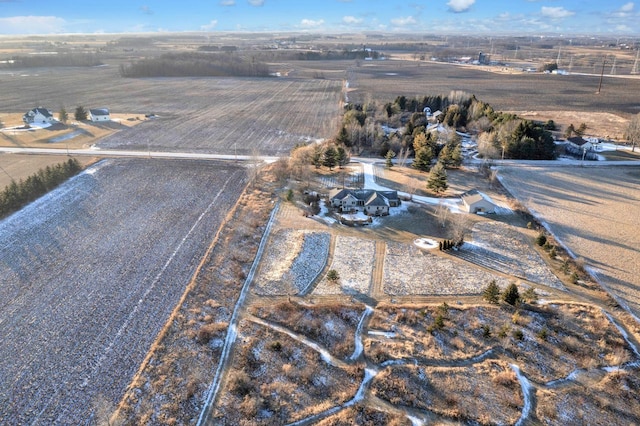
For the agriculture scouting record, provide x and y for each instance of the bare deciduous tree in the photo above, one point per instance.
(633, 132)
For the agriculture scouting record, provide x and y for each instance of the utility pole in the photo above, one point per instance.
(604, 61)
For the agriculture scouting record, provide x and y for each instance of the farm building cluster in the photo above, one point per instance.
(41, 115)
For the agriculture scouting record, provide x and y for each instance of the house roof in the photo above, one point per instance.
(370, 197)
(473, 196)
(577, 140)
(40, 110)
(99, 111)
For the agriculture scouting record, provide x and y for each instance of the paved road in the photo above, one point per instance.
(95, 152)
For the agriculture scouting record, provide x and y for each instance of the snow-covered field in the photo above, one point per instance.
(293, 259)
(90, 273)
(505, 245)
(353, 259)
(408, 270)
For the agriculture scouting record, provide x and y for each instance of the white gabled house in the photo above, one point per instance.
(372, 203)
(99, 114)
(39, 115)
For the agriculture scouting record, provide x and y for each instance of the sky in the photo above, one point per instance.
(615, 17)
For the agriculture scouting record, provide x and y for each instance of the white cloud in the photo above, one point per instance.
(401, 22)
(256, 2)
(310, 23)
(146, 10)
(459, 6)
(626, 8)
(210, 26)
(351, 20)
(556, 12)
(227, 2)
(32, 25)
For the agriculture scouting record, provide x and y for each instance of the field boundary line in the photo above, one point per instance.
(192, 283)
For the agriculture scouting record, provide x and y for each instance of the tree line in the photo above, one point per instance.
(196, 64)
(396, 126)
(18, 194)
(58, 60)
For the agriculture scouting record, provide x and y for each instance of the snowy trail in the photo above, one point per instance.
(324, 353)
(527, 391)
(358, 338)
(232, 332)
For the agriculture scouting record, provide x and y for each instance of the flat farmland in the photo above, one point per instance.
(385, 80)
(595, 212)
(89, 275)
(214, 115)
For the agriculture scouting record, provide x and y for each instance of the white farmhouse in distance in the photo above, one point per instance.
(99, 114)
(39, 115)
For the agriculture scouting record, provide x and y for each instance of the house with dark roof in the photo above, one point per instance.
(371, 202)
(474, 201)
(99, 114)
(38, 115)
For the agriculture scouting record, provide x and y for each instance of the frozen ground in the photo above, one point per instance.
(89, 274)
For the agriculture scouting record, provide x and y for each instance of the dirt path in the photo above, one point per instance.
(378, 270)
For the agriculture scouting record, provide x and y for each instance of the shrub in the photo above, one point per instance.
(541, 239)
(530, 295)
(518, 334)
(276, 346)
(290, 195)
(542, 334)
(486, 331)
(511, 294)
(333, 275)
(574, 278)
(553, 253)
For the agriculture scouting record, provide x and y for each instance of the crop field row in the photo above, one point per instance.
(90, 273)
(221, 115)
(594, 212)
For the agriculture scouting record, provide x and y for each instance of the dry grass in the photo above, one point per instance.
(590, 210)
(18, 167)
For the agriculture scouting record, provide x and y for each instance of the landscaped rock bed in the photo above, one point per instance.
(292, 261)
(408, 270)
(353, 259)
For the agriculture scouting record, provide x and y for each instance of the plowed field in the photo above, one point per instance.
(90, 273)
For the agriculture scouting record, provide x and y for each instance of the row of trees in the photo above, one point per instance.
(18, 194)
(55, 60)
(196, 64)
(80, 114)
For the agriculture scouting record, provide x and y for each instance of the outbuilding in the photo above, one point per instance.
(474, 201)
(99, 114)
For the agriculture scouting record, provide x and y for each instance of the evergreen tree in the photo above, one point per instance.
(330, 158)
(80, 114)
(422, 160)
(343, 137)
(63, 116)
(511, 294)
(438, 179)
(492, 293)
(389, 159)
(316, 156)
(342, 157)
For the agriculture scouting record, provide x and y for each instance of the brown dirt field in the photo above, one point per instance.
(592, 210)
(383, 81)
(17, 166)
(600, 124)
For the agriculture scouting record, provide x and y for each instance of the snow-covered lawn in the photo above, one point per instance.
(407, 270)
(353, 259)
(292, 261)
(504, 244)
